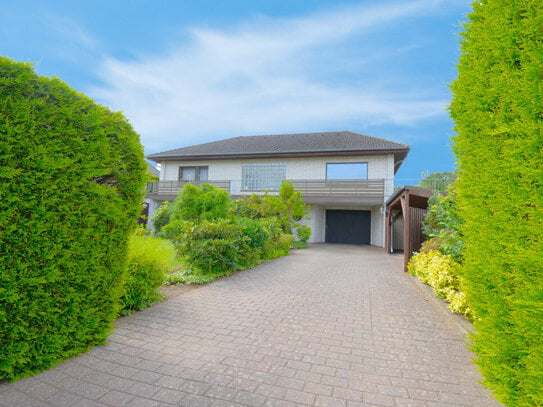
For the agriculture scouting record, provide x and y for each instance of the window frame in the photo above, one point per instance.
(364, 163)
(198, 169)
(251, 182)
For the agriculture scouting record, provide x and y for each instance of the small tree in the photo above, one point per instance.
(291, 206)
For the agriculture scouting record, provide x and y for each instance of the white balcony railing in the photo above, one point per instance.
(336, 188)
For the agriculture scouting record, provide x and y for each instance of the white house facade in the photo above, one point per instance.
(345, 177)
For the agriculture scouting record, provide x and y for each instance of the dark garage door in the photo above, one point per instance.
(344, 226)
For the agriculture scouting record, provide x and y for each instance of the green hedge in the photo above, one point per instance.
(498, 111)
(71, 182)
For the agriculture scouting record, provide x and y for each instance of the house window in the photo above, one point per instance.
(263, 176)
(196, 174)
(346, 171)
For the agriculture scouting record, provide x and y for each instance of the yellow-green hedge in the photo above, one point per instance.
(498, 114)
(440, 272)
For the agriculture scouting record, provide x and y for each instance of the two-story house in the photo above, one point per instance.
(345, 177)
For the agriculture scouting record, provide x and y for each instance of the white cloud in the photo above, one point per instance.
(263, 76)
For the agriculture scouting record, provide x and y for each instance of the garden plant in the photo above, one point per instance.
(498, 113)
(72, 176)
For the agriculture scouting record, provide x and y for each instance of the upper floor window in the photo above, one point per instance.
(263, 176)
(196, 174)
(346, 171)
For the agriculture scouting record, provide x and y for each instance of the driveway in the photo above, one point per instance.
(332, 325)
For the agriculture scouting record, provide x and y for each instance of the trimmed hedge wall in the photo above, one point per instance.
(71, 182)
(498, 111)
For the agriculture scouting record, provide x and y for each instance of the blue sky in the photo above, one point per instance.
(187, 72)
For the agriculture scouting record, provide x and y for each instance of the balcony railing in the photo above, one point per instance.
(173, 187)
(347, 188)
(336, 188)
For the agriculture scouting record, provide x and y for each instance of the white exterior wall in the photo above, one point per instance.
(379, 167)
(315, 219)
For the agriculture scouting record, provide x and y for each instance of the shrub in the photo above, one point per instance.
(72, 176)
(149, 260)
(256, 236)
(442, 223)
(441, 273)
(161, 218)
(288, 207)
(291, 206)
(286, 242)
(195, 204)
(212, 247)
(497, 109)
(255, 232)
(303, 232)
(256, 206)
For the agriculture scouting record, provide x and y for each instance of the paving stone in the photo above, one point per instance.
(325, 401)
(116, 399)
(60, 399)
(249, 399)
(89, 403)
(332, 325)
(299, 397)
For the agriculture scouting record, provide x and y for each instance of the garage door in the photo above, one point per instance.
(343, 226)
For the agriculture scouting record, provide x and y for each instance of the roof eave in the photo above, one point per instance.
(399, 154)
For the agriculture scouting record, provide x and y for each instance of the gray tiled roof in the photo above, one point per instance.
(305, 143)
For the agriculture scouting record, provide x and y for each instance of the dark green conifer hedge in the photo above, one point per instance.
(71, 182)
(498, 110)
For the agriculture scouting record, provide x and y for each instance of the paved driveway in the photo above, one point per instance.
(332, 325)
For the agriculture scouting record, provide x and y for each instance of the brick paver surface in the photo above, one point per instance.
(332, 325)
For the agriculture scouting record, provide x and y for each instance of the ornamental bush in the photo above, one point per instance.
(212, 247)
(440, 272)
(442, 223)
(498, 113)
(161, 218)
(72, 177)
(195, 205)
(303, 232)
(149, 261)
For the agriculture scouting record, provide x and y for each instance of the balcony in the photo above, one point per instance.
(361, 192)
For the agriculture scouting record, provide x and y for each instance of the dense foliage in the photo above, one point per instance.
(441, 272)
(149, 261)
(161, 217)
(498, 111)
(213, 247)
(442, 224)
(195, 205)
(72, 177)
(215, 236)
(288, 208)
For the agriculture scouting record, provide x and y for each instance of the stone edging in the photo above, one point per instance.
(459, 322)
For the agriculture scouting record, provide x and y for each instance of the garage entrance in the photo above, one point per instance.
(348, 226)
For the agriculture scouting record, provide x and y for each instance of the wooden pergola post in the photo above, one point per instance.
(406, 228)
(388, 230)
